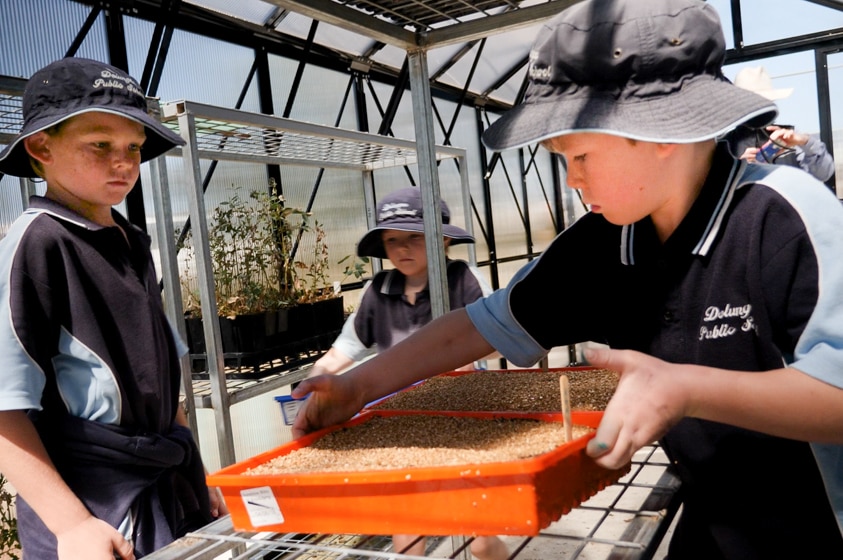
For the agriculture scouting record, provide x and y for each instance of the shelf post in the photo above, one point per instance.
(429, 179)
(205, 277)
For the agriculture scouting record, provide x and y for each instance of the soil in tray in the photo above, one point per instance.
(421, 441)
(507, 390)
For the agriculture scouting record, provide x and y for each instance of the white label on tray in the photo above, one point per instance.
(261, 506)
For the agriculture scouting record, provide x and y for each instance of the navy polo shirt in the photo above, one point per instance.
(87, 350)
(82, 325)
(750, 280)
(385, 317)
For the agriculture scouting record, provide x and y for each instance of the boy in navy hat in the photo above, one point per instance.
(396, 303)
(92, 436)
(715, 283)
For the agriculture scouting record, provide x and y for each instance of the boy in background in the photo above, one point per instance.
(396, 303)
(92, 436)
(715, 283)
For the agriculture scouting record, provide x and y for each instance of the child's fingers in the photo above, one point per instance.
(124, 548)
(626, 422)
(607, 447)
(602, 445)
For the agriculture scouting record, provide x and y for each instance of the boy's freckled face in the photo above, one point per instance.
(95, 157)
(617, 177)
(406, 251)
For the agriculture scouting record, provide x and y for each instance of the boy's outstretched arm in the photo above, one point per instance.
(444, 344)
(25, 463)
(653, 395)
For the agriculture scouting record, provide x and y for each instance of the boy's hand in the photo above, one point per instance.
(332, 400)
(93, 539)
(649, 400)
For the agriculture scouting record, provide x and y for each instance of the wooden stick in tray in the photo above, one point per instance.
(565, 393)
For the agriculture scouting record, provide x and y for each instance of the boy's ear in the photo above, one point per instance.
(37, 146)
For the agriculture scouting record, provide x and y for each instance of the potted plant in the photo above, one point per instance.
(271, 265)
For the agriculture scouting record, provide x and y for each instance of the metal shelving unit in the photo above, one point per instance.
(240, 390)
(625, 521)
(11, 121)
(218, 133)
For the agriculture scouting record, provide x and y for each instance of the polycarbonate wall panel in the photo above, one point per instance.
(29, 41)
(319, 97)
(281, 74)
(197, 68)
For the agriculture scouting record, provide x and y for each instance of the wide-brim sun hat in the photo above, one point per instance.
(757, 80)
(72, 86)
(645, 70)
(403, 210)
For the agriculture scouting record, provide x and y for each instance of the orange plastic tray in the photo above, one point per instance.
(505, 498)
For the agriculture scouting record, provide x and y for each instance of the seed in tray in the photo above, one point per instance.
(399, 442)
(502, 390)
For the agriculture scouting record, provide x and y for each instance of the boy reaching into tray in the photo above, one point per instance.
(715, 283)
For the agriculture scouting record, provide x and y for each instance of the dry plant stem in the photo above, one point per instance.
(565, 396)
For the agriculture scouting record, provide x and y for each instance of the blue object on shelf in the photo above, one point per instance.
(289, 408)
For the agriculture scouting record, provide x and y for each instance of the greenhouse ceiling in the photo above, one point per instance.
(376, 35)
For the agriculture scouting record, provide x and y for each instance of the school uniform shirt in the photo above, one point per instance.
(86, 349)
(385, 317)
(750, 280)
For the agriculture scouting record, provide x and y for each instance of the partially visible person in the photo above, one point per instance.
(396, 303)
(92, 435)
(715, 283)
(775, 143)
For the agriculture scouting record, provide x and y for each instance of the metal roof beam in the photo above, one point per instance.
(483, 27)
(832, 38)
(350, 19)
(833, 4)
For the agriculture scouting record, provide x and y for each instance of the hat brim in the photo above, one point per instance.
(14, 160)
(371, 244)
(704, 108)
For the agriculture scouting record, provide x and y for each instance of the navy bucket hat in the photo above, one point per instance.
(72, 86)
(403, 210)
(647, 70)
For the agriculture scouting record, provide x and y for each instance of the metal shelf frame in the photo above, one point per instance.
(219, 133)
(625, 521)
(11, 121)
